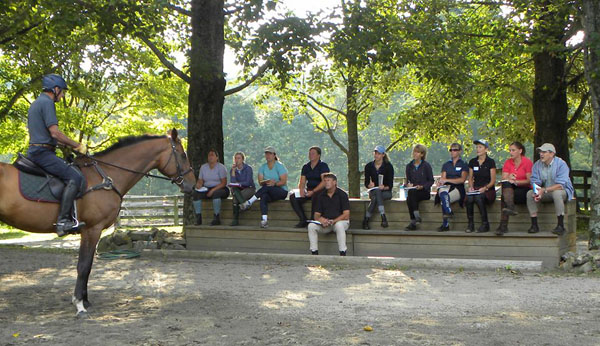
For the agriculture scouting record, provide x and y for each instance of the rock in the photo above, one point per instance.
(105, 244)
(139, 245)
(173, 247)
(121, 238)
(582, 259)
(586, 268)
(567, 265)
(175, 240)
(151, 245)
(140, 235)
(567, 255)
(153, 230)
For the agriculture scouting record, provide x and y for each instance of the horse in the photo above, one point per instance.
(110, 174)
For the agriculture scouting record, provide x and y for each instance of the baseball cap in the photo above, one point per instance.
(547, 147)
(270, 149)
(482, 142)
(380, 149)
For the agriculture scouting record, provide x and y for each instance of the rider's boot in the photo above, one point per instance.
(65, 223)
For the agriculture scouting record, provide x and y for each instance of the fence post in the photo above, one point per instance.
(176, 210)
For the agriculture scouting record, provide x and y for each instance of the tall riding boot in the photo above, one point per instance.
(508, 195)
(198, 219)
(560, 227)
(299, 211)
(65, 223)
(384, 221)
(366, 223)
(485, 225)
(471, 225)
(503, 227)
(216, 220)
(236, 215)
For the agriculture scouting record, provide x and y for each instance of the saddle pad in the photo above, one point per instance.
(35, 188)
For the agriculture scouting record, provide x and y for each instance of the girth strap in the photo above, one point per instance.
(107, 182)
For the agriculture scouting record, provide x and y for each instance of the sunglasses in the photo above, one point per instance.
(453, 149)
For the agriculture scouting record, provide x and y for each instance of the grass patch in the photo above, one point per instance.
(8, 232)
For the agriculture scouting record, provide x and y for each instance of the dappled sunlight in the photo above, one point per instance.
(395, 280)
(317, 273)
(289, 299)
(269, 279)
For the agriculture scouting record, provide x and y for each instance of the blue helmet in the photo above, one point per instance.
(50, 81)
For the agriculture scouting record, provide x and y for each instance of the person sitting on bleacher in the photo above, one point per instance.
(482, 186)
(242, 180)
(452, 184)
(333, 214)
(516, 173)
(211, 184)
(379, 177)
(272, 175)
(419, 178)
(309, 186)
(551, 182)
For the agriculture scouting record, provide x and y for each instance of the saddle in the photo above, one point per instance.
(38, 185)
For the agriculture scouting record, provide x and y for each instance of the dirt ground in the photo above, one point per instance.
(148, 301)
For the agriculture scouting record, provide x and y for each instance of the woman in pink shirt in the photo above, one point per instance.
(516, 173)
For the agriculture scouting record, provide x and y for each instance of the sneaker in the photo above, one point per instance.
(533, 229)
(316, 252)
(412, 226)
(264, 223)
(245, 206)
(342, 253)
(470, 228)
(509, 212)
(485, 227)
(559, 230)
(301, 224)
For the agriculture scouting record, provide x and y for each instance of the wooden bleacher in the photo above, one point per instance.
(393, 241)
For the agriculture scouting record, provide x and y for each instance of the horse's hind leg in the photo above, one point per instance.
(87, 249)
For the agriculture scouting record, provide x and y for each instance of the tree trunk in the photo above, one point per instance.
(353, 149)
(207, 85)
(591, 26)
(550, 107)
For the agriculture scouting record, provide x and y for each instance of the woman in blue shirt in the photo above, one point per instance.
(452, 184)
(272, 176)
(242, 184)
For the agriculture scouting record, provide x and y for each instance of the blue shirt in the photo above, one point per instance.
(41, 115)
(273, 174)
(313, 175)
(243, 176)
(455, 171)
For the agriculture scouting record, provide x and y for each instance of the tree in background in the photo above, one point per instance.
(591, 26)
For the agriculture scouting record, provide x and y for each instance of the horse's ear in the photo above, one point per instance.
(173, 134)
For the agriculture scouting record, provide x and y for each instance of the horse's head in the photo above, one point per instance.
(175, 165)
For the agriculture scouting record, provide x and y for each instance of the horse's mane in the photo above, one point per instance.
(126, 141)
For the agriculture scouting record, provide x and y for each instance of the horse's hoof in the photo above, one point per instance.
(86, 304)
(83, 315)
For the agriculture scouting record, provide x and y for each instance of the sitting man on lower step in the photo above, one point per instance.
(332, 213)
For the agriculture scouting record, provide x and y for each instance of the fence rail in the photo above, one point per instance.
(168, 210)
(151, 211)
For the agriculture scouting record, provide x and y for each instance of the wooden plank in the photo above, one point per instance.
(452, 251)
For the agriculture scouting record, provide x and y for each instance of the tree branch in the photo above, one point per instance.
(579, 110)
(164, 59)
(258, 74)
(179, 9)
(20, 32)
(329, 131)
(333, 109)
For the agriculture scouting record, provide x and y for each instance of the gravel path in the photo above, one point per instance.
(216, 302)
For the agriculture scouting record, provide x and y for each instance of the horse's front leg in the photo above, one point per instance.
(87, 249)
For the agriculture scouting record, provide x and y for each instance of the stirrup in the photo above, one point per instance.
(76, 228)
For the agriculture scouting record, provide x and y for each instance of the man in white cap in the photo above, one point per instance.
(551, 182)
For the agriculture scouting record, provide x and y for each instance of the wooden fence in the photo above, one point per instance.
(168, 210)
(151, 211)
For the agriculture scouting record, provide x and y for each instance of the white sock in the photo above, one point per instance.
(264, 217)
(252, 199)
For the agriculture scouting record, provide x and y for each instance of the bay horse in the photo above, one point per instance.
(110, 174)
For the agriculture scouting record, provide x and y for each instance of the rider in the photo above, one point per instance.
(44, 135)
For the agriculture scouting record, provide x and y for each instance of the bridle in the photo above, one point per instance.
(107, 182)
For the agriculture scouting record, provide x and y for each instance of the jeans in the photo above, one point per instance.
(269, 194)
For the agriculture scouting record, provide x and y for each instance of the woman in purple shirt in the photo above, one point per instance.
(242, 184)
